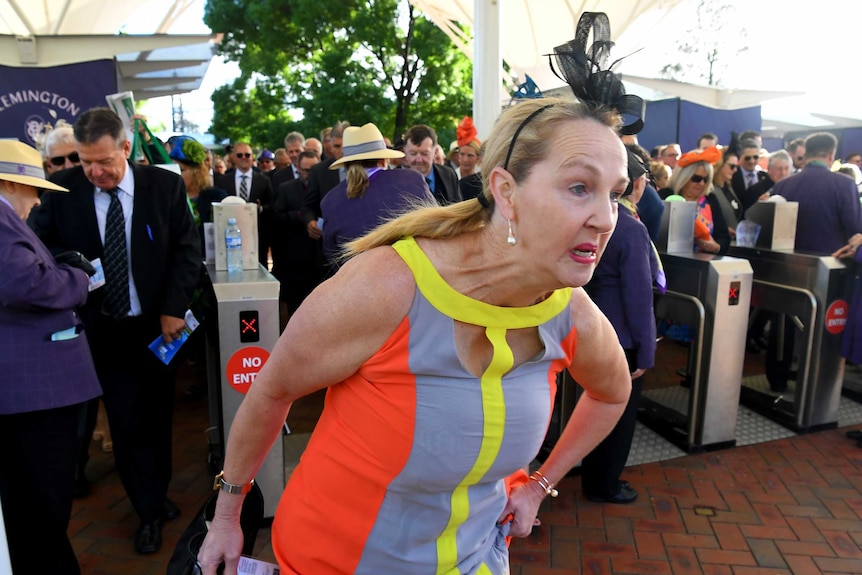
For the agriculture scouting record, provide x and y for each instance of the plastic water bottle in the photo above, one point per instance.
(233, 245)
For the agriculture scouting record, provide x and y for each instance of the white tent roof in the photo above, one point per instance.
(710, 96)
(530, 29)
(42, 33)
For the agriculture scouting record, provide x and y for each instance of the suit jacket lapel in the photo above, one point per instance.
(140, 214)
(88, 220)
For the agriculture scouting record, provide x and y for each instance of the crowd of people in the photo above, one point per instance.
(443, 382)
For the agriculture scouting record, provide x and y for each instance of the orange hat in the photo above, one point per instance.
(466, 134)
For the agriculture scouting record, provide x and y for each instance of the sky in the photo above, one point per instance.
(810, 50)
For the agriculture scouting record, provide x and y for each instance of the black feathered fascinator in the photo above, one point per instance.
(589, 76)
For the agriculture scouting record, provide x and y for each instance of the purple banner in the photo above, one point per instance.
(33, 97)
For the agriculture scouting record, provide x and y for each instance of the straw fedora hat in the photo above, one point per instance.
(22, 164)
(365, 143)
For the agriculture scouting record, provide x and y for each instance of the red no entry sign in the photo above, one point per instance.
(243, 367)
(836, 316)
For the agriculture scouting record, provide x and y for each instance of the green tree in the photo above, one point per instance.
(363, 61)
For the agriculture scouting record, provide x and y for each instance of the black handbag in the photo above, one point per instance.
(184, 559)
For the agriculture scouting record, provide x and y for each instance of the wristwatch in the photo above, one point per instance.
(231, 488)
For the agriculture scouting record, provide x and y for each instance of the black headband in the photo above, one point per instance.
(518, 131)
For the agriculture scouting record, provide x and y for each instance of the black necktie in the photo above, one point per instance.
(243, 187)
(114, 260)
(428, 181)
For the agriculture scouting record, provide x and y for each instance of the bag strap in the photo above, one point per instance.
(164, 157)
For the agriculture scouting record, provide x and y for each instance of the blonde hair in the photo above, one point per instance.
(535, 122)
(200, 178)
(681, 176)
(357, 178)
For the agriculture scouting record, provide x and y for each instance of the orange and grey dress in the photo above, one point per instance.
(409, 466)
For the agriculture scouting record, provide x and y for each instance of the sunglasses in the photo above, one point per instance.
(243, 154)
(800, 158)
(697, 179)
(732, 167)
(60, 160)
(750, 158)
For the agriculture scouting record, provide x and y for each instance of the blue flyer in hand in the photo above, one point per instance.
(166, 351)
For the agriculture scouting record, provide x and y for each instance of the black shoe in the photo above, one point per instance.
(148, 537)
(855, 434)
(624, 496)
(170, 510)
(80, 487)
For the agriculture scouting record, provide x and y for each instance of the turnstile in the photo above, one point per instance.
(809, 291)
(248, 327)
(710, 294)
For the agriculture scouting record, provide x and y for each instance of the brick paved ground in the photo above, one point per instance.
(792, 506)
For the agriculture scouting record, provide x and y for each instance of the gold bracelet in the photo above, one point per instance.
(543, 482)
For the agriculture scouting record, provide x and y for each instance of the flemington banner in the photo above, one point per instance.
(30, 98)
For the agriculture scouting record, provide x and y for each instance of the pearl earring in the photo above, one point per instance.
(511, 237)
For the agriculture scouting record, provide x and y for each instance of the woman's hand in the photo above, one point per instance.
(638, 373)
(521, 509)
(710, 246)
(223, 544)
(849, 250)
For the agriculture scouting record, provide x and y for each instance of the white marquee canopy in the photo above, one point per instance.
(43, 33)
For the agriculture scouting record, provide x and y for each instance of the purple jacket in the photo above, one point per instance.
(389, 193)
(829, 210)
(37, 298)
(622, 287)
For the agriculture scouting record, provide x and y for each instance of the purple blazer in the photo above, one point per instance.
(622, 287)
(829, 209)
(37, 299)
(389, 193)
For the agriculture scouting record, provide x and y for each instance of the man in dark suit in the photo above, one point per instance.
(748, 173)
(294, 254)
(253, 187)
(137, 221)
(294, 144)
(780, 165)
(420, 143)
(321, 179)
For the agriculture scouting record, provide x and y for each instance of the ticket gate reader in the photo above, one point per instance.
(809, 291)
(248, 327)
(711, 294)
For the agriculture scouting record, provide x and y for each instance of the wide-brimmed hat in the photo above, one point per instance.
(22, 164)
(365, 143)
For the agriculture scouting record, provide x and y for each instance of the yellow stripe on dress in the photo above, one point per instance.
(494, 413)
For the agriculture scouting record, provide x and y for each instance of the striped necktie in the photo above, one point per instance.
(243, 187)
(115, 261)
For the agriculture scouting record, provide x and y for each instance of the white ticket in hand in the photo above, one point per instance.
(97, 280)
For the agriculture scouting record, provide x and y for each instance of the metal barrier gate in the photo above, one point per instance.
(712, 293)
(809, 292)
(248, 327)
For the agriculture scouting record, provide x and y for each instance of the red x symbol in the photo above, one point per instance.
(248, 326)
